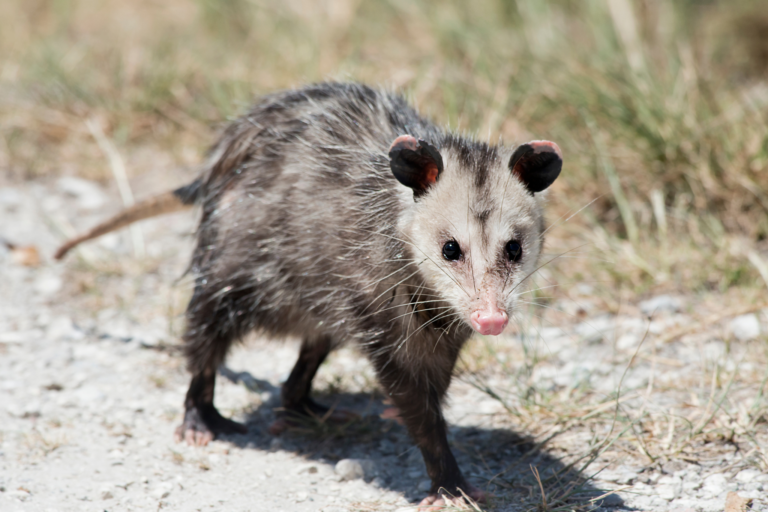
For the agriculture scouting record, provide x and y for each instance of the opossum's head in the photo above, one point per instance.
(475, 226)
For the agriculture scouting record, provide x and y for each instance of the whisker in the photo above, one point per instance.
(469, 253)
(542, 266)
(556, 223)
(390, 288)
(452, 278)
(389, 308)
(424, 325)
(427, 309)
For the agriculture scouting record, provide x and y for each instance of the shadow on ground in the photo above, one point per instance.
(497, 460)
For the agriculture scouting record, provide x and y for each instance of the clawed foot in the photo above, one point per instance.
(202, 424)
(437, 501)
(310, 411)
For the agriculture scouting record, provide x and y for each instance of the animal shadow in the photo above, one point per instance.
(501, 462)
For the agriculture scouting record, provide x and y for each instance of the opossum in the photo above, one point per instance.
(336, 213)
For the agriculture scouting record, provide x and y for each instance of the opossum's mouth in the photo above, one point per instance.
(489, 322)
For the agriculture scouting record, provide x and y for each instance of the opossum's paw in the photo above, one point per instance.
(202, 424)
(310, 413)
(438, 501)
(392, 413)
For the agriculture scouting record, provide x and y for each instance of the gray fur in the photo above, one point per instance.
(305, 232)
(301, 219)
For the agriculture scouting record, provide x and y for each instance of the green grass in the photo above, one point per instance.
(648, 102)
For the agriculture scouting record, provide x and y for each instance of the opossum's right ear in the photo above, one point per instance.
(537, 164)
(415, 163)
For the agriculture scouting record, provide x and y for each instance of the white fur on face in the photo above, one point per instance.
(482, 221)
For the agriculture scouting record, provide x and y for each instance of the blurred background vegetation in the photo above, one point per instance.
(660, 106)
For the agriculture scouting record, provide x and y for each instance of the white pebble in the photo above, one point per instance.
(745, 327)
(352, 469)
(660, 303)
(748, 475)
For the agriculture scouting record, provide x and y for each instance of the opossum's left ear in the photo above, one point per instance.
(537, 164)
(415, 163)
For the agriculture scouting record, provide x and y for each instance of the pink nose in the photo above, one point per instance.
(489, 322)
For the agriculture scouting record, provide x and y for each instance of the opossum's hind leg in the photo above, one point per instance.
(202, 421)
(296, 393)
(212, 326)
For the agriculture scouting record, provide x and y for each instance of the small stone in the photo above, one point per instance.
(692, 483)
(686, 505)
(19, 494)
(106, 495)
(667, 492)
(744, 327)
(353, 469)
(379, 482)
(47, 285)
(62, 328)
(306, 468)
(627, 341)
(674, 466)
(10, 198)
(115, 454)
(660, 303)
(301, 496)
(20, 336)
(596, 329)
(714, 485)
(162, 491)
(90, 395)
(748, 475)
(622, 475)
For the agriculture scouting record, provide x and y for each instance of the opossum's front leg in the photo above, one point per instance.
(201, 419)
(417, 388)
(296, 392)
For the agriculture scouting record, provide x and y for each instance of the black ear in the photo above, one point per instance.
(415, 164)
(537, 164)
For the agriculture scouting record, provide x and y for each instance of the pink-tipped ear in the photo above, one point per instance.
(415, 163)
(537, 164)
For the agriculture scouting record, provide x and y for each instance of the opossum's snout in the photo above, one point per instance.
(489, 322)
(488, 317)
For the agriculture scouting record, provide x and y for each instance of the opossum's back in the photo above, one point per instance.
(301, 206)
(308, 161)
(323, 123)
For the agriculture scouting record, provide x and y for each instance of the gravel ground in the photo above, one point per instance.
(92, 384)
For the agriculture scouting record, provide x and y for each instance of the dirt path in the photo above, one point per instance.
(91, 389)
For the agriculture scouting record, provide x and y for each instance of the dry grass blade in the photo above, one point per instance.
(117, 165)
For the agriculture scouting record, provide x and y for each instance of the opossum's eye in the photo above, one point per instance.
(514, 250)
(451, 250)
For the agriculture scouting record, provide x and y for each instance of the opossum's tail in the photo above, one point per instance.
(173, 201)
